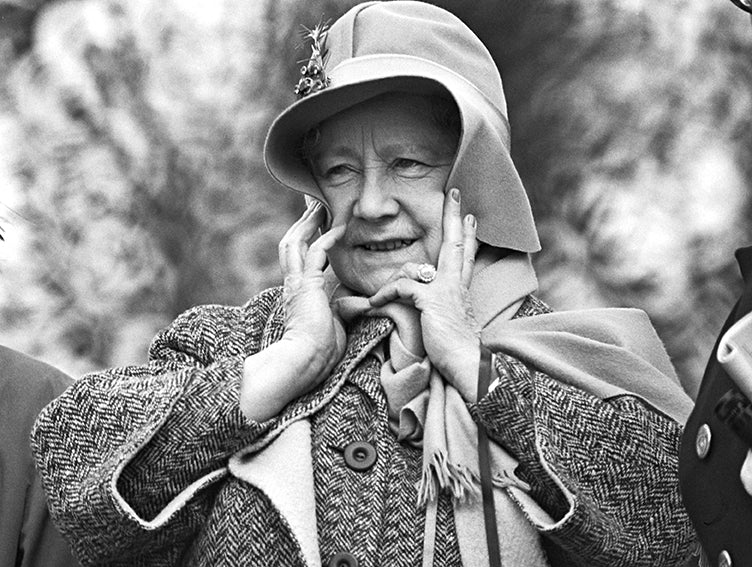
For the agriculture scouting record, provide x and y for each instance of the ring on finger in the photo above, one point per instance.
(426, 273)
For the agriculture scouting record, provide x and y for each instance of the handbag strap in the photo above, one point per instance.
(485, 371)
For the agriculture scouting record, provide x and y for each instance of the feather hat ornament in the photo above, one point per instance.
(313, 74)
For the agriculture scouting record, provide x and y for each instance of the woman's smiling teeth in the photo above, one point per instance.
(386, 245)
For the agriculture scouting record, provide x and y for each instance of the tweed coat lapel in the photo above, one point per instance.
(284, 472)
(280, 464)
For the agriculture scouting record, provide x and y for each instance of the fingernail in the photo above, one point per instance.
(470, 219)
(455, 194)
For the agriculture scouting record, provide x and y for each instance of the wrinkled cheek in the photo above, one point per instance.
(432, 248)
(344, 264)
(340, 209)
(336, 258)
(359, 275)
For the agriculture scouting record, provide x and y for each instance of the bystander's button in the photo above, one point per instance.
(360, 455)
(342, 559)
(724, 559)
(702, 441)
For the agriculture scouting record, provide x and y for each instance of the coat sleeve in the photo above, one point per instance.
(130, 457)
(603, 472)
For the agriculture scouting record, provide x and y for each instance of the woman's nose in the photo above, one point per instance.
(376, 198)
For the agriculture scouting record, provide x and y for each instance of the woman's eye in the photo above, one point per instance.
(336, 171)
(337, 174)
(339, 169)
(407, 163)
(410, 168)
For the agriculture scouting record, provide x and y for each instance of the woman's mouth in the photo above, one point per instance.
(386, 245)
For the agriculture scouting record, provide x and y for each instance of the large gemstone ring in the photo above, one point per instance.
(426, 273)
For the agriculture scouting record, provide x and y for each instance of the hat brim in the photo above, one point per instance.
(483, 146)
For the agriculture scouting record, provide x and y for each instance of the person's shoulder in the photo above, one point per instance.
(204, 326)
(26, 373)
(262, 304)
(265, 302)
(27, 385)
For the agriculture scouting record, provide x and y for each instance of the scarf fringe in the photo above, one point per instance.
(505, 479)
(464, 484)
(439, 475)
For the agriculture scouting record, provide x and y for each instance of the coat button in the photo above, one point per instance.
(702, 441)
(343, 559)
(724, 559)
(360, 455)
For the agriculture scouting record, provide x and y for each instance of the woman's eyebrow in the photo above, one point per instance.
(336, 151)
(431, 149)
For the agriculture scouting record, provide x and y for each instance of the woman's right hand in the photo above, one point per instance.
(314, 338)
(309, 321)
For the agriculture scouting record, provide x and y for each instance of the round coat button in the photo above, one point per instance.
(343, 559)
(702, 441)
(360, 455)
(724, 559)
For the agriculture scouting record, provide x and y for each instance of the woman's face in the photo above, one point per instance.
(382, 166)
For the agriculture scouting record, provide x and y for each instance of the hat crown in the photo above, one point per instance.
(415, 29)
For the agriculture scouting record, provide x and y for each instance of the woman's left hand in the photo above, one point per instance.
(450, 333)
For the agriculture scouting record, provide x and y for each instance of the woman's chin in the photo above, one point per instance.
(367, 285)
(366, 288)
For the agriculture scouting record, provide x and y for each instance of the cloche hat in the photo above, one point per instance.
(403, 45)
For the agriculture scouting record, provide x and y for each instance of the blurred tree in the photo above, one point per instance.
(140, 166)
(631, 125)
(137, 130)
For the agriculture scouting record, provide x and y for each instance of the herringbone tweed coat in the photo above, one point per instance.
(135, 459)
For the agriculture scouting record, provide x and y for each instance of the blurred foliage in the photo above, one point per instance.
(131, 172)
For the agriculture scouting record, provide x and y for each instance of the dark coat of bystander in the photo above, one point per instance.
(712, 456)
(27, 536)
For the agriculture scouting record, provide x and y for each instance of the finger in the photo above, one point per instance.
(402, 289)
(470, 249)
(307, 222)
(315, 257)
(408, 270)
(411, 271)
(451, 255)
(293, 245)
(293, 242)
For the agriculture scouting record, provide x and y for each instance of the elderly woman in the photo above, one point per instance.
(403, 399)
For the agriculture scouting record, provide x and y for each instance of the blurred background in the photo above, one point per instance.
(132, 185)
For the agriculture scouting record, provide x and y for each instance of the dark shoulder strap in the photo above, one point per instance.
(485, 372)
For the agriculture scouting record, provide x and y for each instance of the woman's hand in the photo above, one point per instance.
(314, 338)
(309, 321)
(450, 333)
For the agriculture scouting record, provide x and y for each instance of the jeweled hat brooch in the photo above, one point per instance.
(313, 74)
